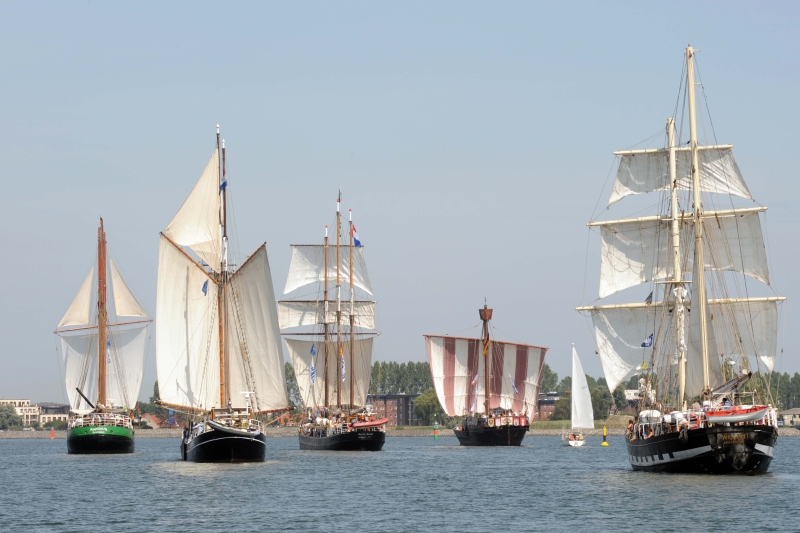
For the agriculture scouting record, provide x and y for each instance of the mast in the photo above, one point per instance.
(102, 315)
(352, 306)
(340, 356)
(486, 316)
(325, 312)
(699, 264)
(679, 292)
(221, 278)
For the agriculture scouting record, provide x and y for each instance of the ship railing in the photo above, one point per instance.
(104, 419)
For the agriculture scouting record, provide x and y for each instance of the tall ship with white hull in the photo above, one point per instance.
(104, 345)
(493, 385)
(333, 361)
(218, 351)
(695, 340)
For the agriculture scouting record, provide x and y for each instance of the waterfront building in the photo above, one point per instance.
(398, 408)
(28, 412)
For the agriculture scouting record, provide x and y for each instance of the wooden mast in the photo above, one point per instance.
(102, 316)
(340, 356)
(325, 312)
(486, 316)
(699, 264)
(223, 382)
(352, 307)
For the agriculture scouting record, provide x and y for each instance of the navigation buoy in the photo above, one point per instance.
(435, 430)
(52, 433)
(605, 433)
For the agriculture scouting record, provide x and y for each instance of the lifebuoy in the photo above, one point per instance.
(696, 423)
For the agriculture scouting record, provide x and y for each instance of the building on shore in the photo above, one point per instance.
(52, 412)
(39, 413)
(28, 412)
(398, 408)
(546, 404)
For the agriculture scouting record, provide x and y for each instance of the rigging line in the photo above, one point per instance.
(600, 196)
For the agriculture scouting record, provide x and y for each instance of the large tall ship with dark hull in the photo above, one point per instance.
(493, 385)
(330, 339)
(103, 343)
(702, 345)
(218, 347)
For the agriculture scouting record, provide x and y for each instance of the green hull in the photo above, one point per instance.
(100, 439)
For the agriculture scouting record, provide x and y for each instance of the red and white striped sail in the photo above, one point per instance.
(456, 361)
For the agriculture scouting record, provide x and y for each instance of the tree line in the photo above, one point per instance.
(602, 399)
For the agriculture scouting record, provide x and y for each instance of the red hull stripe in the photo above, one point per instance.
(449, 365)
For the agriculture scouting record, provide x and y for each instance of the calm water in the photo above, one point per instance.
(414, 485)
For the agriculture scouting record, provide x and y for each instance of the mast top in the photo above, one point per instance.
(485, 313)
(223, 144)
(217, 129)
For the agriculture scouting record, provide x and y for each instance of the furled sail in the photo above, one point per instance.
(648, 172)
(308, 266)
(78, 311)
(295, 313)
(514, 377)
(582, 413)
(125, 304)
(187, 332)
(637, 251)
(197, 222)
(125, 363)
(254, 343)
(313, 394)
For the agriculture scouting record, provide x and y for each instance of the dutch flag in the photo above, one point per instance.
(356, 242)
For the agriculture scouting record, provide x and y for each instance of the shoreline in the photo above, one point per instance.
(409, 432)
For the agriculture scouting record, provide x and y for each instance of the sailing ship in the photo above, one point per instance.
(103, 347)
(218, 351)
(582, 415)
(729, 330)
(497, 398)
(333, 366)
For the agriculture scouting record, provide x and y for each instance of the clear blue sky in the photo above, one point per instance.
(471, 140)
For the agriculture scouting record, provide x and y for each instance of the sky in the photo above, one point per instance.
(473, 141)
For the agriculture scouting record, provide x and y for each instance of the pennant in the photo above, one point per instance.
(205, 288)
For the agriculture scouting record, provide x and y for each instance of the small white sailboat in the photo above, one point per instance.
(582, 414)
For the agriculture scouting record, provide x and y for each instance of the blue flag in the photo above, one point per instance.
(312, 372)
(108, 350)
(343, 374)
(648, 342)
(512, 384)
(224, 184)
(313, 349)
(205, 288)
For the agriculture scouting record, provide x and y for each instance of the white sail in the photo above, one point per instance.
(649, 172)
(313, 394)
(78, 311)
(308, 262)
(458, 368)
(619, 333)
(125, 304)
(295, 313)
(124, 366)
(197, 222)
(638, 251)
(747, 328)
(187, 332)
(582, 413)
(254, 343)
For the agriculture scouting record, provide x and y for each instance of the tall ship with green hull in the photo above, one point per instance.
(103, 344)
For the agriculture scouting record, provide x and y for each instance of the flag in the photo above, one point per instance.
(356, 242)
(649, 298)
(343, 369)
(312, 372)
(108, 351)
(223, 184)
(475, 380)
(512, 384)
(205, 288)
(648, 342)
(313, 348)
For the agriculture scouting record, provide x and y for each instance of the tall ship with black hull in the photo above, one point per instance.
(494, 385)
(104, 345)
(218, 350)
(695, 342)
(332, 362)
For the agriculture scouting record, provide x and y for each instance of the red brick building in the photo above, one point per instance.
(398, 408)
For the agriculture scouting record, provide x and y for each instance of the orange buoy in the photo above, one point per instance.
(52, 433)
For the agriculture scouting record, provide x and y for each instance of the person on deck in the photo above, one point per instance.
(649, 432)
(695, 406)
(726, 403)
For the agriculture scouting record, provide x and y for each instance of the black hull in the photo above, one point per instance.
(99, 444)
(221, 447)
(491, 436)
(354, 441)
(713, 450)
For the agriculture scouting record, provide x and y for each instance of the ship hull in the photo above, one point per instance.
(712, 450)
(361, 441)
(491, 436)
(100, 440)
(215, 446)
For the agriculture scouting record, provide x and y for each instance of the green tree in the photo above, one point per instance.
(562, 410)
(292, 390)
(549, 379)
(565, 385)
(426, 407)
(619, 398)
(601, 402)
(9, 417)
(56, 424)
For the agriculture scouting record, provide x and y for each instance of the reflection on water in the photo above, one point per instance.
(415, 484)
